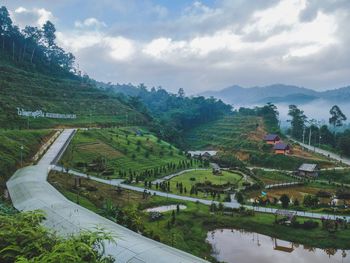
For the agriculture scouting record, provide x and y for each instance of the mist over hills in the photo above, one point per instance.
(278, 93)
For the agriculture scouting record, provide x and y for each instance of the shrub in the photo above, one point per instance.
(24, 239)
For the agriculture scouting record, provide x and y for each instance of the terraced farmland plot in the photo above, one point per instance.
(230, 131)
(122, 152)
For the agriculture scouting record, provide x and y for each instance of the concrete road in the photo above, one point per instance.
(29, 190)
(332, 155)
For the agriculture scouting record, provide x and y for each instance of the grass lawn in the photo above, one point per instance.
(191, 178)
(123, 152)
(191, 226)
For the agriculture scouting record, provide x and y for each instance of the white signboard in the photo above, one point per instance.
(41, 114)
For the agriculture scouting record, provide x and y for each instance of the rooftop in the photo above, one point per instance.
(271, 137)
(308, 167)
(281, 146)
(197, 153)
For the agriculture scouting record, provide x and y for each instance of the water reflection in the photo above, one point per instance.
(235, 246)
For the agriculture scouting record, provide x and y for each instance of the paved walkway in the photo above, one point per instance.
(232, 204)
(168, 177)
(119, 182)
(29, 190)
(269, 186)
(332, 155)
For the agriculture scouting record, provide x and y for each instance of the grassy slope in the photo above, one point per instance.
(243, 136)
(112, 145)
(193, 223)
(273, 177)
(10, 144)
(34, 91)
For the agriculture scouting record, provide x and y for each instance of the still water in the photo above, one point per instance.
(236, 246)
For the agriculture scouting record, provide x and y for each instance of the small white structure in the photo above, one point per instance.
(206, 154)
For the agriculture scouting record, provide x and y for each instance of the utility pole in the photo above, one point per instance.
(304, 134)
(310, 135)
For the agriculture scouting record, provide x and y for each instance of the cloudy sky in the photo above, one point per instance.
(201, 45)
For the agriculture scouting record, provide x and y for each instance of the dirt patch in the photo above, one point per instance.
(242, 156)
(259, 133)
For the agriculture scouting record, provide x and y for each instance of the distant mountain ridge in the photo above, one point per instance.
(277, 93)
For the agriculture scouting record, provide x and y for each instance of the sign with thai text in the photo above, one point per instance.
(41, 114)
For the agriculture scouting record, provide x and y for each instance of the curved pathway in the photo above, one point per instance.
(232, 204)
(168, 177)
(29, 190)
(119, 182)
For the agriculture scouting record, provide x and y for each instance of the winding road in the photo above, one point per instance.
(29, 190)
(329, 154)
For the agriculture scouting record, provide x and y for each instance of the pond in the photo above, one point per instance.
(237, 246)
(165, 208)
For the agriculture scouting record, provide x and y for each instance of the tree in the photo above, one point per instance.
(285, 200)
(337, 117)
(297, 122)
(49, 34)
(173, 217)
(239, 197)
(181, 93)
(296, 202)
(5, 25)
(270, 114)
(310, 201)
(32, 36)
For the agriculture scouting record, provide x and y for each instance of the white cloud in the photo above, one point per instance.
(34, 17)
(121, 49)
(90, 22)
(210, 47)
(76, 41)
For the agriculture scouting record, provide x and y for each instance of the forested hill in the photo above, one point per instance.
(175, 113)
(36, 74)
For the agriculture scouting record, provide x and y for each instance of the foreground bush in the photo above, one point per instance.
(23, 239)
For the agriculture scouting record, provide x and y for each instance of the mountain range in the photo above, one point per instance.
(277, 93)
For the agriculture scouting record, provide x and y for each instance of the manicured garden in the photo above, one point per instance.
(200, 183)
(130, 153)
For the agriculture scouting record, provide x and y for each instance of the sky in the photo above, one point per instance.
(201, 45)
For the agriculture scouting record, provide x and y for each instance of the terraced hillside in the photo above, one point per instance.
(128, 153)
(34, 91)
(242, 136)
(230, 132)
